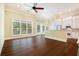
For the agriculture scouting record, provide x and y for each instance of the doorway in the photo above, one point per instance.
(41, 29)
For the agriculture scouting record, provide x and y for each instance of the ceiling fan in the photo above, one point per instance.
(35, 8)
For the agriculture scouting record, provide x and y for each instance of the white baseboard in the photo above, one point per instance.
(14, 37)
(8, 38)
(0, 51)
(59, 39)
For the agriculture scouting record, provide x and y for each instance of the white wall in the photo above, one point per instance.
(1, 26)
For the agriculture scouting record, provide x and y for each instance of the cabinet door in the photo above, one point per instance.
(73, 23)
(76, 22)
(67, 22)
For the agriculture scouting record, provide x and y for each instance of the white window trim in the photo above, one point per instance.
(22, 21)
(13, 20)
(25, 21)
(31, 25)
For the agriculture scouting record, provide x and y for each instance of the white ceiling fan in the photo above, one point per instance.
(34, 7)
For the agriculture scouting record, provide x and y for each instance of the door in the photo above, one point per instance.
(40, 29)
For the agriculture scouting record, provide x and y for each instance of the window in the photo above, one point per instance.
(38, 28)
(43, 28)
(29, 27)
(46, 28)
(16, 27)
(22, 27)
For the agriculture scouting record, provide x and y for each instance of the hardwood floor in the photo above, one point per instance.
(33, 46)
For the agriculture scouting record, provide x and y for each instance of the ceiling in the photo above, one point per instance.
(50, 9)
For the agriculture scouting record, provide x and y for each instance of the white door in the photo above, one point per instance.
(40, 29)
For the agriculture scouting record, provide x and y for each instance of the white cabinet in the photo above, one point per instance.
(71, 21)
(67, 22)
(75, 22)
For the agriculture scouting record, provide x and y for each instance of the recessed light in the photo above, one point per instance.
(18, 5)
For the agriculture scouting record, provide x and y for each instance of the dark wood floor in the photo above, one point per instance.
(33, 46)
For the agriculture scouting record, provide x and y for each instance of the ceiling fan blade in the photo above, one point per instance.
(35, 10)
(39, 8)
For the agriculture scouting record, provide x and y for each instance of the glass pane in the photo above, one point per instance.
(23, 31)
(23, 28)
(16, 24)
(16, 31)
(29, 25)
(43, 28)
(29, 30)
(38, 28)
